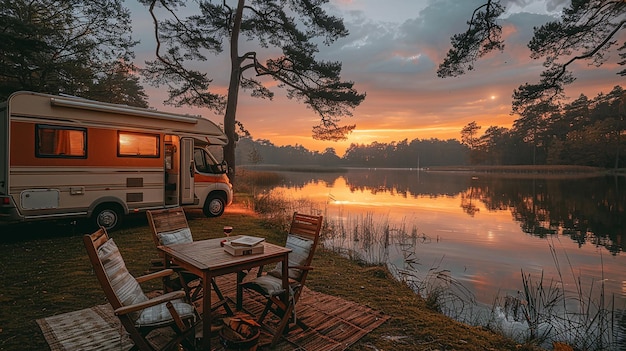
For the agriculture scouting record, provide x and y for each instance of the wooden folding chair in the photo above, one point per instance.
(170, 226)
(302, 239)
(138, 314)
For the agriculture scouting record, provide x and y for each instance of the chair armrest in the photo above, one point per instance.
(174, 295)
(159, 274)
(157, 264)
(304, 268)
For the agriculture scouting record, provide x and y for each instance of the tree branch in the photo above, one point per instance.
(587, 55)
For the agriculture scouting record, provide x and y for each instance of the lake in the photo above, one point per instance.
(478, 233)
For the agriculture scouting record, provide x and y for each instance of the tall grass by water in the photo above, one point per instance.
(543, 312)
(584, 318)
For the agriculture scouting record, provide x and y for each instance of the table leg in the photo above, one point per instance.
(166, 279)
(239, 303)
(206, 312)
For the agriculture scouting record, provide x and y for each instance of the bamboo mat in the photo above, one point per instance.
(334, 324)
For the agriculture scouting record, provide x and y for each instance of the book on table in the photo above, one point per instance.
(243, 250)
(247, 241)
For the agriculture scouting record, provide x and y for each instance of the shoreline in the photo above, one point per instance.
(509, 169)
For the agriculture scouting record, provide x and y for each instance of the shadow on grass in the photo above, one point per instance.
(27, 231)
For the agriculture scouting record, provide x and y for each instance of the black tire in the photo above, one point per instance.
(107, 216)
(214, 206)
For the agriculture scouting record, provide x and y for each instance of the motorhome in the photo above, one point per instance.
(66, 157)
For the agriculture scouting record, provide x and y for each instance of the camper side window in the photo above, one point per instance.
(58, 141)
(137, 144)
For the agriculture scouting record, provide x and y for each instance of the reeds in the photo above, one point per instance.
(586, 319)
(362, 237)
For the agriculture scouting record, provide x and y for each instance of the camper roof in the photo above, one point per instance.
(30, 104)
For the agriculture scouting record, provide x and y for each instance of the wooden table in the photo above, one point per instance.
(207, 259)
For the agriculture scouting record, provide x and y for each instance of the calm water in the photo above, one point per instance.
(485, 230)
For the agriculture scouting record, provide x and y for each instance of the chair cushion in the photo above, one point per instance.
(179, 236)
(124, 285)
(160, 315)
(267, 285)
(300, 249)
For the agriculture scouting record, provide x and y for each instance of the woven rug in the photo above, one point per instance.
(93, 328)
(334, 324)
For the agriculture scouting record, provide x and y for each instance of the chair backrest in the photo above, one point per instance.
(169, 226)
(302, 239)
(120, 287)
(306, 226)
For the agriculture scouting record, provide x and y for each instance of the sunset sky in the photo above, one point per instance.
(392, 54)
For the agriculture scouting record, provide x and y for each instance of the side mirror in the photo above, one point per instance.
(220, 168)
(223, 167)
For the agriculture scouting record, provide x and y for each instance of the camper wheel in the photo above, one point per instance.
(214, 206)
(108, 216)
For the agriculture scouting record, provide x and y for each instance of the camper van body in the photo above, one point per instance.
(67, 157)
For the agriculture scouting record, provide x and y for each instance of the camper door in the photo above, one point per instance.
(187, 171)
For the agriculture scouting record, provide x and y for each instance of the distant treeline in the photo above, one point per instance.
(403, 154)
(585, 132)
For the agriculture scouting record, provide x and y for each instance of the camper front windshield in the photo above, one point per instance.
(206, 163)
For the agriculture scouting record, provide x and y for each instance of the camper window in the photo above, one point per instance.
(206, 163)
(59, 141)
(137, 144)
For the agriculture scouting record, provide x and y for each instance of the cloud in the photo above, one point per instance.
(552, 7)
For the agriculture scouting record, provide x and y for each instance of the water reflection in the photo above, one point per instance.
(480, 232)
(588, 210)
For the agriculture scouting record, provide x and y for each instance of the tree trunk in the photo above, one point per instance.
(619, 144)
(233, 93)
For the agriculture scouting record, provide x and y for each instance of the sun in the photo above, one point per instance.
(493, 97)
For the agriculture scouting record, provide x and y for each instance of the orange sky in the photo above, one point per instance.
(392, 54)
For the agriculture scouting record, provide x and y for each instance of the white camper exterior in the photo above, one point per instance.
(67, 157)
